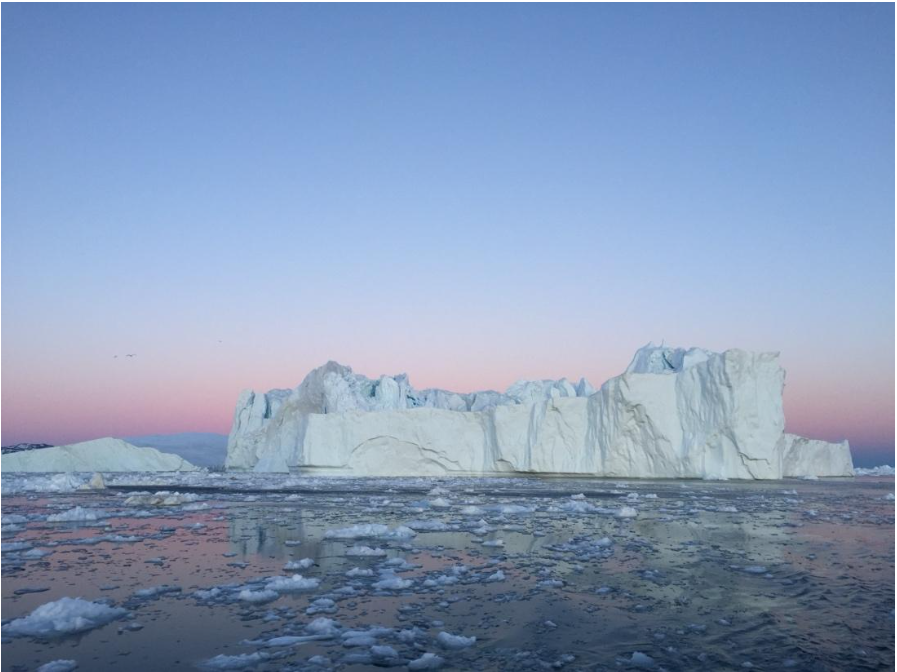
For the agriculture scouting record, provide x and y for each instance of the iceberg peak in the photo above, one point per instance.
(660, 359)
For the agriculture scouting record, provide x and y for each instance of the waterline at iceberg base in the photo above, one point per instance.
(674, 413)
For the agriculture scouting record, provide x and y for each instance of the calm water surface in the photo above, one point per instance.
(659, 575)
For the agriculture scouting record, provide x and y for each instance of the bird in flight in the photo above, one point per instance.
(131, 355)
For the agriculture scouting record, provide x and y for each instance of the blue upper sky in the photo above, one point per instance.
(471, 193)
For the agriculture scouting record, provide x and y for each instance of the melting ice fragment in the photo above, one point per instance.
(65, 616)
(61, 665)
(238, 662)
(428, 661)
(76, 515)
(450, 641)
(369, 530)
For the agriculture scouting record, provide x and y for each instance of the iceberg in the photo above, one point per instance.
(673, 413)
(883, 470)
(810, 457)
(99, 455)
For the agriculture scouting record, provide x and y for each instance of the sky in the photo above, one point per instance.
(471, 194)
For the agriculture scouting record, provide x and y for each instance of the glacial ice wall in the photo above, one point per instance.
(673, 413)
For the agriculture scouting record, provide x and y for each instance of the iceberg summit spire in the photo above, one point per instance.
(673, 413)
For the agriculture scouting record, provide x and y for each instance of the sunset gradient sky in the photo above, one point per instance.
(469, 194)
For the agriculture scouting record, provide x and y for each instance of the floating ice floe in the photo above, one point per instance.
(305, 563)
(511, 509)
(161, 498)
(428, 661)
(440, 503)
(370, 531)
(389, 581)
(428, 525)
(325, 627)
(577, 506)
(322, 605)
(14, 546)
(450, 641)
(14, 484)
(551, 583)
(65, 616)
(384, 652)
(156, 591)
(77, 515)
(641, 660)
(883, 470)
(400, 565)
(257, 596)
(440, 580)
(277, 642)
(364, 638)
(365, 552)
(238, 662)
(291, 584)
(755, 569)
(61, 665)
(210, 594)
(35, 554)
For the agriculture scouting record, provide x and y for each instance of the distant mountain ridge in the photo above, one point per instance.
(204, 449)
(19, 447)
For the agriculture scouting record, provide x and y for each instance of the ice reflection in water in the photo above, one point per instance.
(706, 576)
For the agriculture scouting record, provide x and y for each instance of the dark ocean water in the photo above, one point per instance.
(794, 575)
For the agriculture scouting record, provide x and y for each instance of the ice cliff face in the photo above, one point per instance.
(672, 414)
(98, 455)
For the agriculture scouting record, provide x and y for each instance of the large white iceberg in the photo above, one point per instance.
(673, 413)
(98, 455)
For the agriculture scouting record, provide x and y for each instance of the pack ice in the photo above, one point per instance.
(673, 413)
(97, 455)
